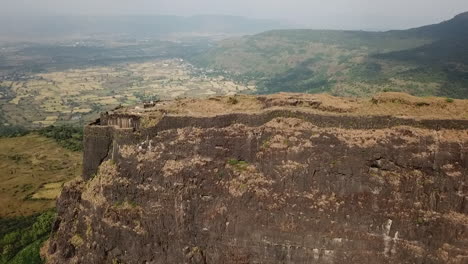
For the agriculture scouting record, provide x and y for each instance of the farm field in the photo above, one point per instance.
(79, 95)
(33, 170)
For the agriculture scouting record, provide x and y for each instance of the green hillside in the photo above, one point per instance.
(431, 60)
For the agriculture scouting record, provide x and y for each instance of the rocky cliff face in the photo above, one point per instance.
(277, 179)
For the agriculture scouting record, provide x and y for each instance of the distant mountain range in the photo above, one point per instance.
(450, 39)
(430, 60)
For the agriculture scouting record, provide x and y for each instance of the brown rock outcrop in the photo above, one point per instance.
(277, 179)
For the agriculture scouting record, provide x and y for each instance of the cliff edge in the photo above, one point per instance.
(285, 178)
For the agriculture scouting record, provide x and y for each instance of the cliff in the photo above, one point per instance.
(285, 178)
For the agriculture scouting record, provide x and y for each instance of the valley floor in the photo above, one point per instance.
(33, 170)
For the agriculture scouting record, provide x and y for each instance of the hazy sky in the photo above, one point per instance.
(355, 14)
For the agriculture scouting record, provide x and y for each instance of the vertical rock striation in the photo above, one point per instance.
(287, 183)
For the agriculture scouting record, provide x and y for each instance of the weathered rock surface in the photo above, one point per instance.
(276, 179)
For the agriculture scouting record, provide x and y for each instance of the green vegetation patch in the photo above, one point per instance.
(238, 165)
(69, 137)
(12, 131)
(24, 237)
(125, 204)
(77, 240)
